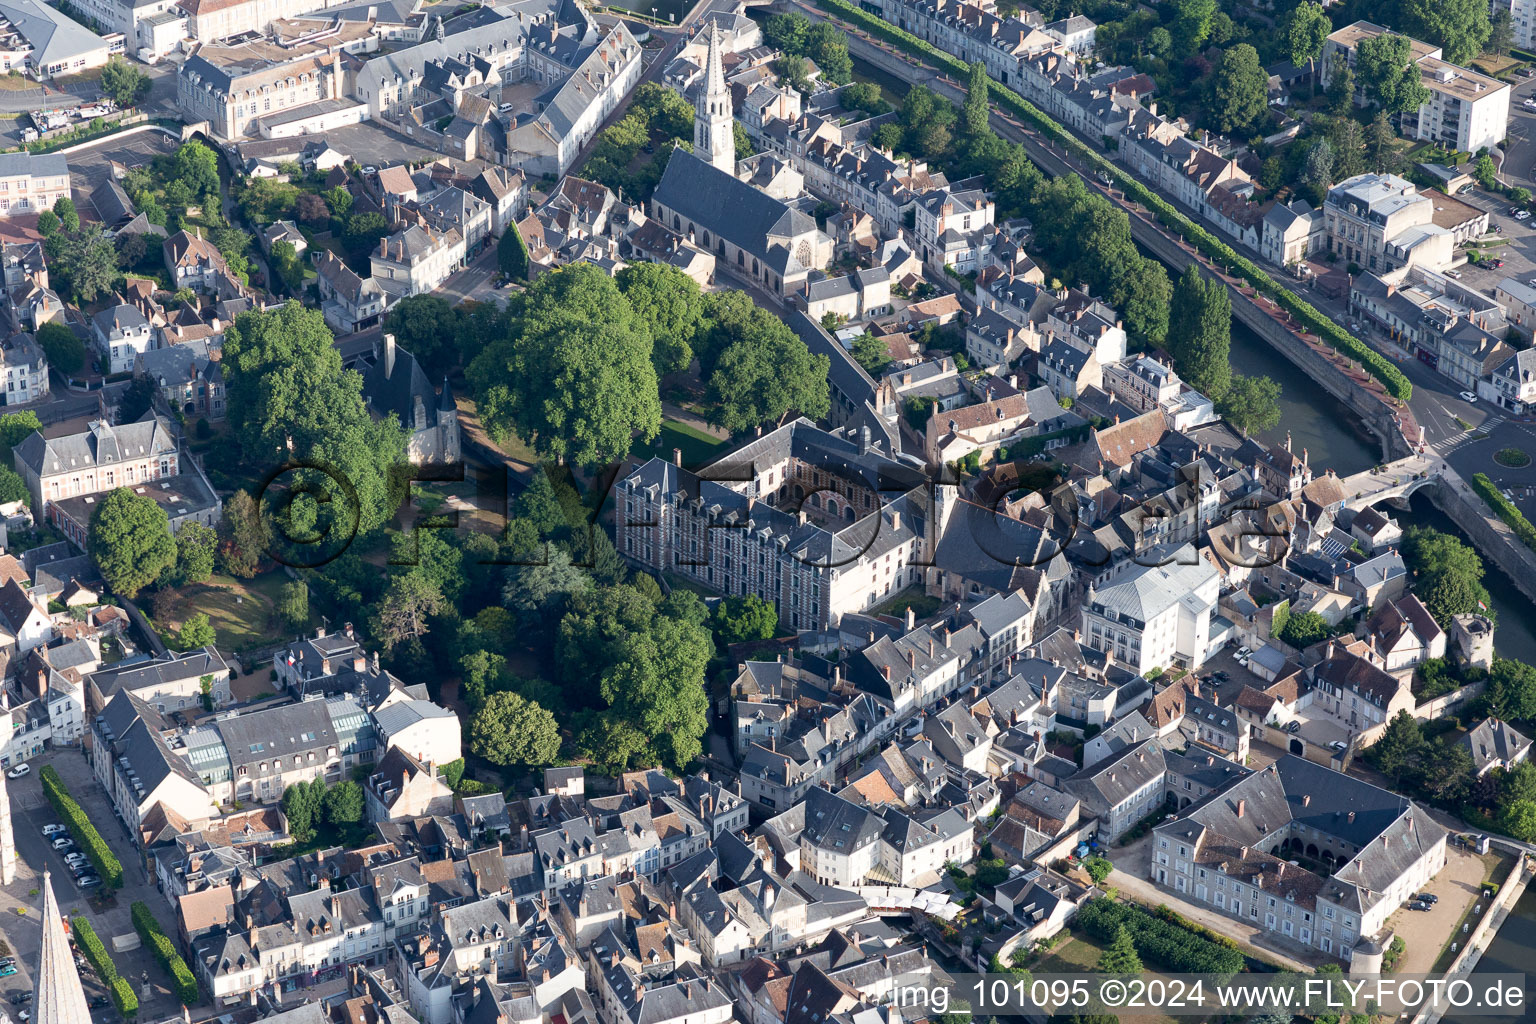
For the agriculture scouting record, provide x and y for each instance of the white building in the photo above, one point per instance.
(1154, 616)
(1380, 222)
(1467, 111)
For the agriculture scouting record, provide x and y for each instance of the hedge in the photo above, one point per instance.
(123, 998)
(1505, 509)
(183, 984)
(91, 946)
(96, 849)
(1378, 365)
(1163, 942)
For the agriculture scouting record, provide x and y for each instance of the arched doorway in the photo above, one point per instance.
(1297, 747)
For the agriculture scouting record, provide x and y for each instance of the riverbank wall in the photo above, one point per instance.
(1488, 534)
(1482, 933)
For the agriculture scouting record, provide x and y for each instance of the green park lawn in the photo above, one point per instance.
(240, 611)
(697, 446)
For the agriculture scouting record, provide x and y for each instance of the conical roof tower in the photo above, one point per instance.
(60, 999)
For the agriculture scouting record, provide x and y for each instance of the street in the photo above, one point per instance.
(21, 901)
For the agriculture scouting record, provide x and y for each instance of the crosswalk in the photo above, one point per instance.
(1447, 445)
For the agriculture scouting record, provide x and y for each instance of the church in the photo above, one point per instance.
(752, 234)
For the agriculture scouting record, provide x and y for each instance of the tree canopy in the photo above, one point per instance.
(574, 377)
(510, 730)
(1388, 75)
(1459, 27)
(1304, 30)
(671, 306)
(1239, 91)
(130, 541)
(1200, 333)
(291, 403)
(1449, 573)
(65, 351)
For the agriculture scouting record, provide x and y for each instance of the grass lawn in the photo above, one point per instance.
(922, 604)
(697, 446)
(1489, 64)
(1080, 954)
(239, 610)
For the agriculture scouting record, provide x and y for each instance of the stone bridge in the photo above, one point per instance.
(1394, 480)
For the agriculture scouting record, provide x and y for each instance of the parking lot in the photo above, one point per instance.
(21, 901)
(1518, 251)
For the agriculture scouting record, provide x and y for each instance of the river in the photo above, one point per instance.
(1513, 951)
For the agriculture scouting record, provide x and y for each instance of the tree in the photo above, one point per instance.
(1192, 24)
(1511, 690)
(409, 600)
(976, 115)
(65, 351)
(195, 633)
(764, 376)
(1317, 170)
(871, 353)
(509, 730)
(1120, 956)
(312, 210)
(512, 254)
(424, 326)
(88, 259)
(131, 249)
(574, 379)
(291, 403)
(293, 604)
(47, 223)
(1518, 819)
(13, 488)
(1239, 90)
(1388, 74)
(1449, 772)
(1304, 31)
(1381, 145)
(739, 619)
(794, 72)
(130, 541)
(1098, 868)
(363, 232)
(538, 506)
(243, 535)
(195, 547)
(301, 805)
(1252, 404)
(196, 167)
(1200, 332)
(1486, 172)
(536, 588)
(1348, 141)
(1459, 27)
(285, 264)
(1501, 32)
(344, 804)
(1341, 86)
(863, 96)
(69, 217)
(787, 32)
(1399, 748)
(1448, 573)
(828, 47)
(1159, 42)
(1303, 629)
(138, 398)
(670, 305)
(16, 427)
(123, 82)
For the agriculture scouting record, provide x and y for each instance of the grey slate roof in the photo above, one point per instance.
(723, 205)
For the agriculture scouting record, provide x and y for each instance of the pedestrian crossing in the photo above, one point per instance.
(1447, 445)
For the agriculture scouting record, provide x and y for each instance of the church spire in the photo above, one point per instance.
(714, 133)
(60, 999)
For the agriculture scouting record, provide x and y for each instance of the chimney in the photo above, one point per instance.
(911, 618)
(885, 670)
(1306, 800)
(1351, 817)
(677, 456)
(1242, 807)
(389, 356)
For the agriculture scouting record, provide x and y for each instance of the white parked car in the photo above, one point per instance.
(1529, 103)
(1468, 396)
(54, 830)
(18, 771)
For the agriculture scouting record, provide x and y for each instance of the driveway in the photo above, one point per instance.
(1424, 933)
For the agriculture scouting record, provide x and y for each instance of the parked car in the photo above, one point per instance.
(1469, 396)
(7, 961)
(19, 771)
(1339, 745)
(1427, 897)
(54, 830)
(1293, 727)
(6, 972)
(97, 1002)
(81, 870)
(1497, 263)
(63, 843)
(17, 998)
(89, 882)
(1416, 905)
(1456, 273)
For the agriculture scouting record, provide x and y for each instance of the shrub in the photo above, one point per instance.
(183, 984)
(1505, 509)
(123, 998)
(91, 946)
(80, 827)
(1397, 385)
(1169, 945)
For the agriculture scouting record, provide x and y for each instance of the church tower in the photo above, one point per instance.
(60, 999)
(714, 135)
